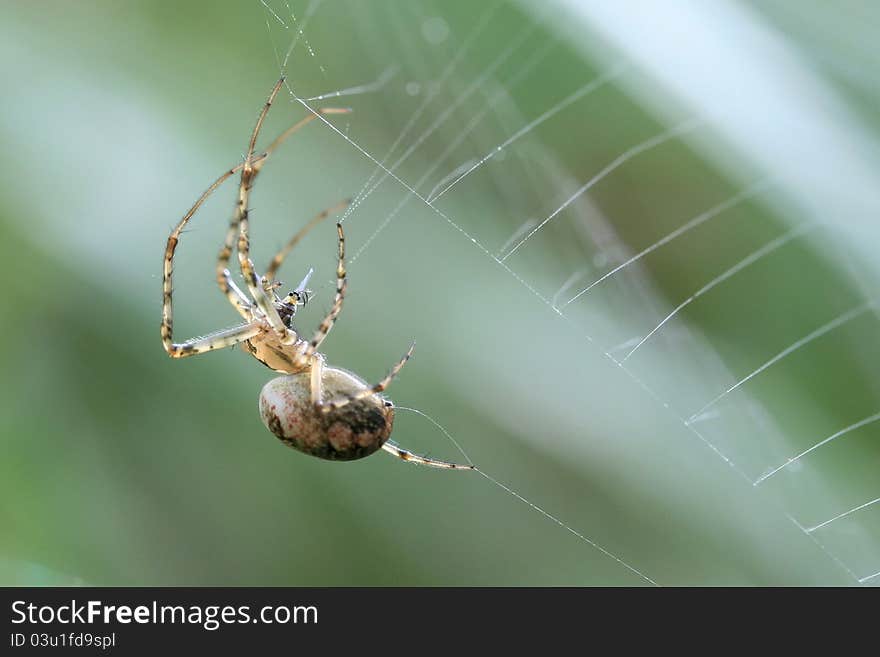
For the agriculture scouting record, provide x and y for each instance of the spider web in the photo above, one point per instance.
(598, 283)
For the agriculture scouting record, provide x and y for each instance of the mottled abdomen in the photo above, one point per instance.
(351, 432)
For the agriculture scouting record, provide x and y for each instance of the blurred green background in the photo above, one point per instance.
(122, 467)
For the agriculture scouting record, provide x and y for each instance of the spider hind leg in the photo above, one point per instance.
(406, 455)
(341, 401)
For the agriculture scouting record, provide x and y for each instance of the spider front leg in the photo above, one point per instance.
(213, 341)
(236, 297)
(255, 285)
(327, 323)
(284, 251)
(254, 164)
(252, 280)
(192, 347)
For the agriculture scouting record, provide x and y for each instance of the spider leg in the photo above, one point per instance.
(248, 272)
(316, 378)
(280, 139)
(330, 318)
(213, 341)
(168, 266)
(339, 402)
(224, 279)
(232, 231)
(406, 455)
(277, 261)
(316, 381)
(236, 297)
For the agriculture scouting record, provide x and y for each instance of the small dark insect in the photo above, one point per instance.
(317, 409)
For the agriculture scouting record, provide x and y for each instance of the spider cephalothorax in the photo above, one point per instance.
(317, 409)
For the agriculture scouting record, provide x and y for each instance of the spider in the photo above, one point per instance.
(320, 410)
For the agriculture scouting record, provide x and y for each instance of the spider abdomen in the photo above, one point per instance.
(351, 432)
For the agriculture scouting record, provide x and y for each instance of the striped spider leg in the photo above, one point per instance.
(320, 410)
(326, 411)
(254, 315)
(240, 223)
